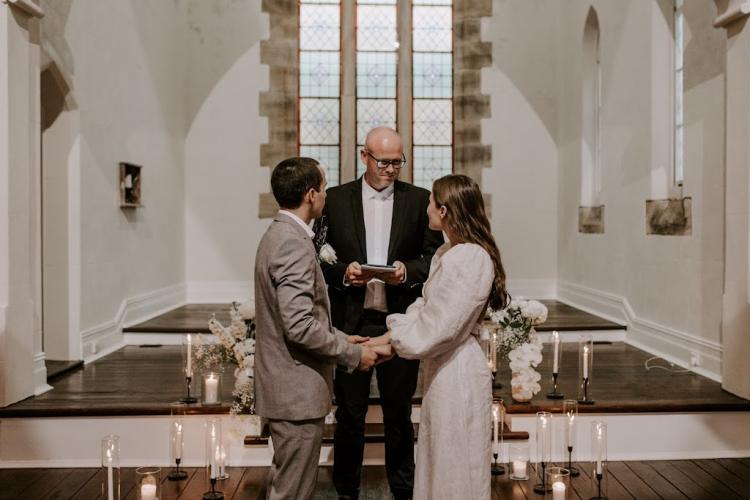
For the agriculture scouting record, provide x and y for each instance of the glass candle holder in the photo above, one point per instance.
(497, 430)
(211, 382)
(559, 481)
(599, 460)
(570, 423)
(110, 473)
(519, 461)
(543, 449)
(556, 363)
(585, 369)
(177, 441)
(148, 483)
(187, 367)
(213, 458)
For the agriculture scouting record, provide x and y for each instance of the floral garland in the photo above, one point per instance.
(518, 342)
(236, 345)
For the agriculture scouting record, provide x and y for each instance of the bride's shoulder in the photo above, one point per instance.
(467, 253)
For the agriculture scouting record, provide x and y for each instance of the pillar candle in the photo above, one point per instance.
(519, 468)
(148, 492)
(212, 389)
(558, 490)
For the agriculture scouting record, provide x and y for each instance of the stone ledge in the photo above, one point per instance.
(670, 217)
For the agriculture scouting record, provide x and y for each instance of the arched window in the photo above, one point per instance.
(591, 102)
(367, 63)
(679, 48)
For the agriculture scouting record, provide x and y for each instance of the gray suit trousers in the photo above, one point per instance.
(296, 451)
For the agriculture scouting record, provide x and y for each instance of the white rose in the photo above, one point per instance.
(327, 254)
(247, 310)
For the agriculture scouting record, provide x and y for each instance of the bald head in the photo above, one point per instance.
(383, 138)
(382, 143)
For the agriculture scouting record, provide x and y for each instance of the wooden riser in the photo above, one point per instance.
(374, 433)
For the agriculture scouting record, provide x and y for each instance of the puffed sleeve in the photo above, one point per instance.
(443, 319)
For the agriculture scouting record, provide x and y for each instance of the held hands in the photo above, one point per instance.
(372, 354)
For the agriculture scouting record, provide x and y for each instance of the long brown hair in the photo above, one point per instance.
(466, 218)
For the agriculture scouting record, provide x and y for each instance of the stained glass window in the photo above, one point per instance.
(368, 36)
(377, 60)
(679, 122)
(432, 90)
(319, 84)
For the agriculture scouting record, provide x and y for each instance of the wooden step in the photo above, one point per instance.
(374, 433)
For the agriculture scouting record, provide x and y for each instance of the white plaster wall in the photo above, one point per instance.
(127, 64)
(522, 83)
(222, 146)
(672, 282)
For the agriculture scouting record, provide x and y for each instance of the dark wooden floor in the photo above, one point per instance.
(693, 479)
(145, 380)
(193, 318)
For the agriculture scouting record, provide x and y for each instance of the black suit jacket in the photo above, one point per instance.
(412, 242)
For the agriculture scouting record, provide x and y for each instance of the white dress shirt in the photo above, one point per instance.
(378, 213)
(299, 221)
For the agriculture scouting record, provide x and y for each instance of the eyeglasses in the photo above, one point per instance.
(382, 164)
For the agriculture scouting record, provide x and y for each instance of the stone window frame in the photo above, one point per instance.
(280, 103)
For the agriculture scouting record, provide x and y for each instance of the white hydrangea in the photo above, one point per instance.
(247, 310)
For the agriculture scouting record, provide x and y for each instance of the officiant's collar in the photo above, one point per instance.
(368, 192)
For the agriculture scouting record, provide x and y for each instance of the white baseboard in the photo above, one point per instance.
(107, 337)
(213, 292)
(40, 375)
(533, 289)
(661, 340)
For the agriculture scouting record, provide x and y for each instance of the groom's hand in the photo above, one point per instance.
(367, 359)
(357, 339)
(384, 352)
(357, 276)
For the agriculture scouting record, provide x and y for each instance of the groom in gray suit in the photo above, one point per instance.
(296, 346)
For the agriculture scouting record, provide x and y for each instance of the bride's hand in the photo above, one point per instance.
(382, 340)
(384, 352)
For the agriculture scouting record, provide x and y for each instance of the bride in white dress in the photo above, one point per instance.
(442, 329)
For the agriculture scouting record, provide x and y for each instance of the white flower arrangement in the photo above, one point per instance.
(517, 341)
(327, 254)
(236, 345)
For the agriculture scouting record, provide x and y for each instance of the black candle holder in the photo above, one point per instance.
(585, 400)
(188, 399)
(496, 384)
(599, 495)
(497, 469)
(554, 394)
(543, 488)
(213, 494)
(177, 474)
(573, 471)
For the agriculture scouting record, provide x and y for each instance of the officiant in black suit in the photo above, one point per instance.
(376, 220)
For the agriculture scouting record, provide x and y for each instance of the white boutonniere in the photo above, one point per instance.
(327, 254)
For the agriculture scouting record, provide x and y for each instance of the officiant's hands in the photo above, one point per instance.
(357, 276)
(394, 278)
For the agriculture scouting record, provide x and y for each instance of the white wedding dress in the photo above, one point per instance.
(442, 329)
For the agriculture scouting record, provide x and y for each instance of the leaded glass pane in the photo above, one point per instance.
(319, 121)
(376, 28)
(432, 2)
(361, 167)
(373, 113)
(319, 74)
(376, 2)
(431, 163)
(376, 74)
(337, 2)
(433, 120)
(432, 29)
(319, 27)
(328, 156)
(433, 74)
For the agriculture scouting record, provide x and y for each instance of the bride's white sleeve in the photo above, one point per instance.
(458, 294)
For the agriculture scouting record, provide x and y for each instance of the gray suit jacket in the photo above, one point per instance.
(296, 346)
